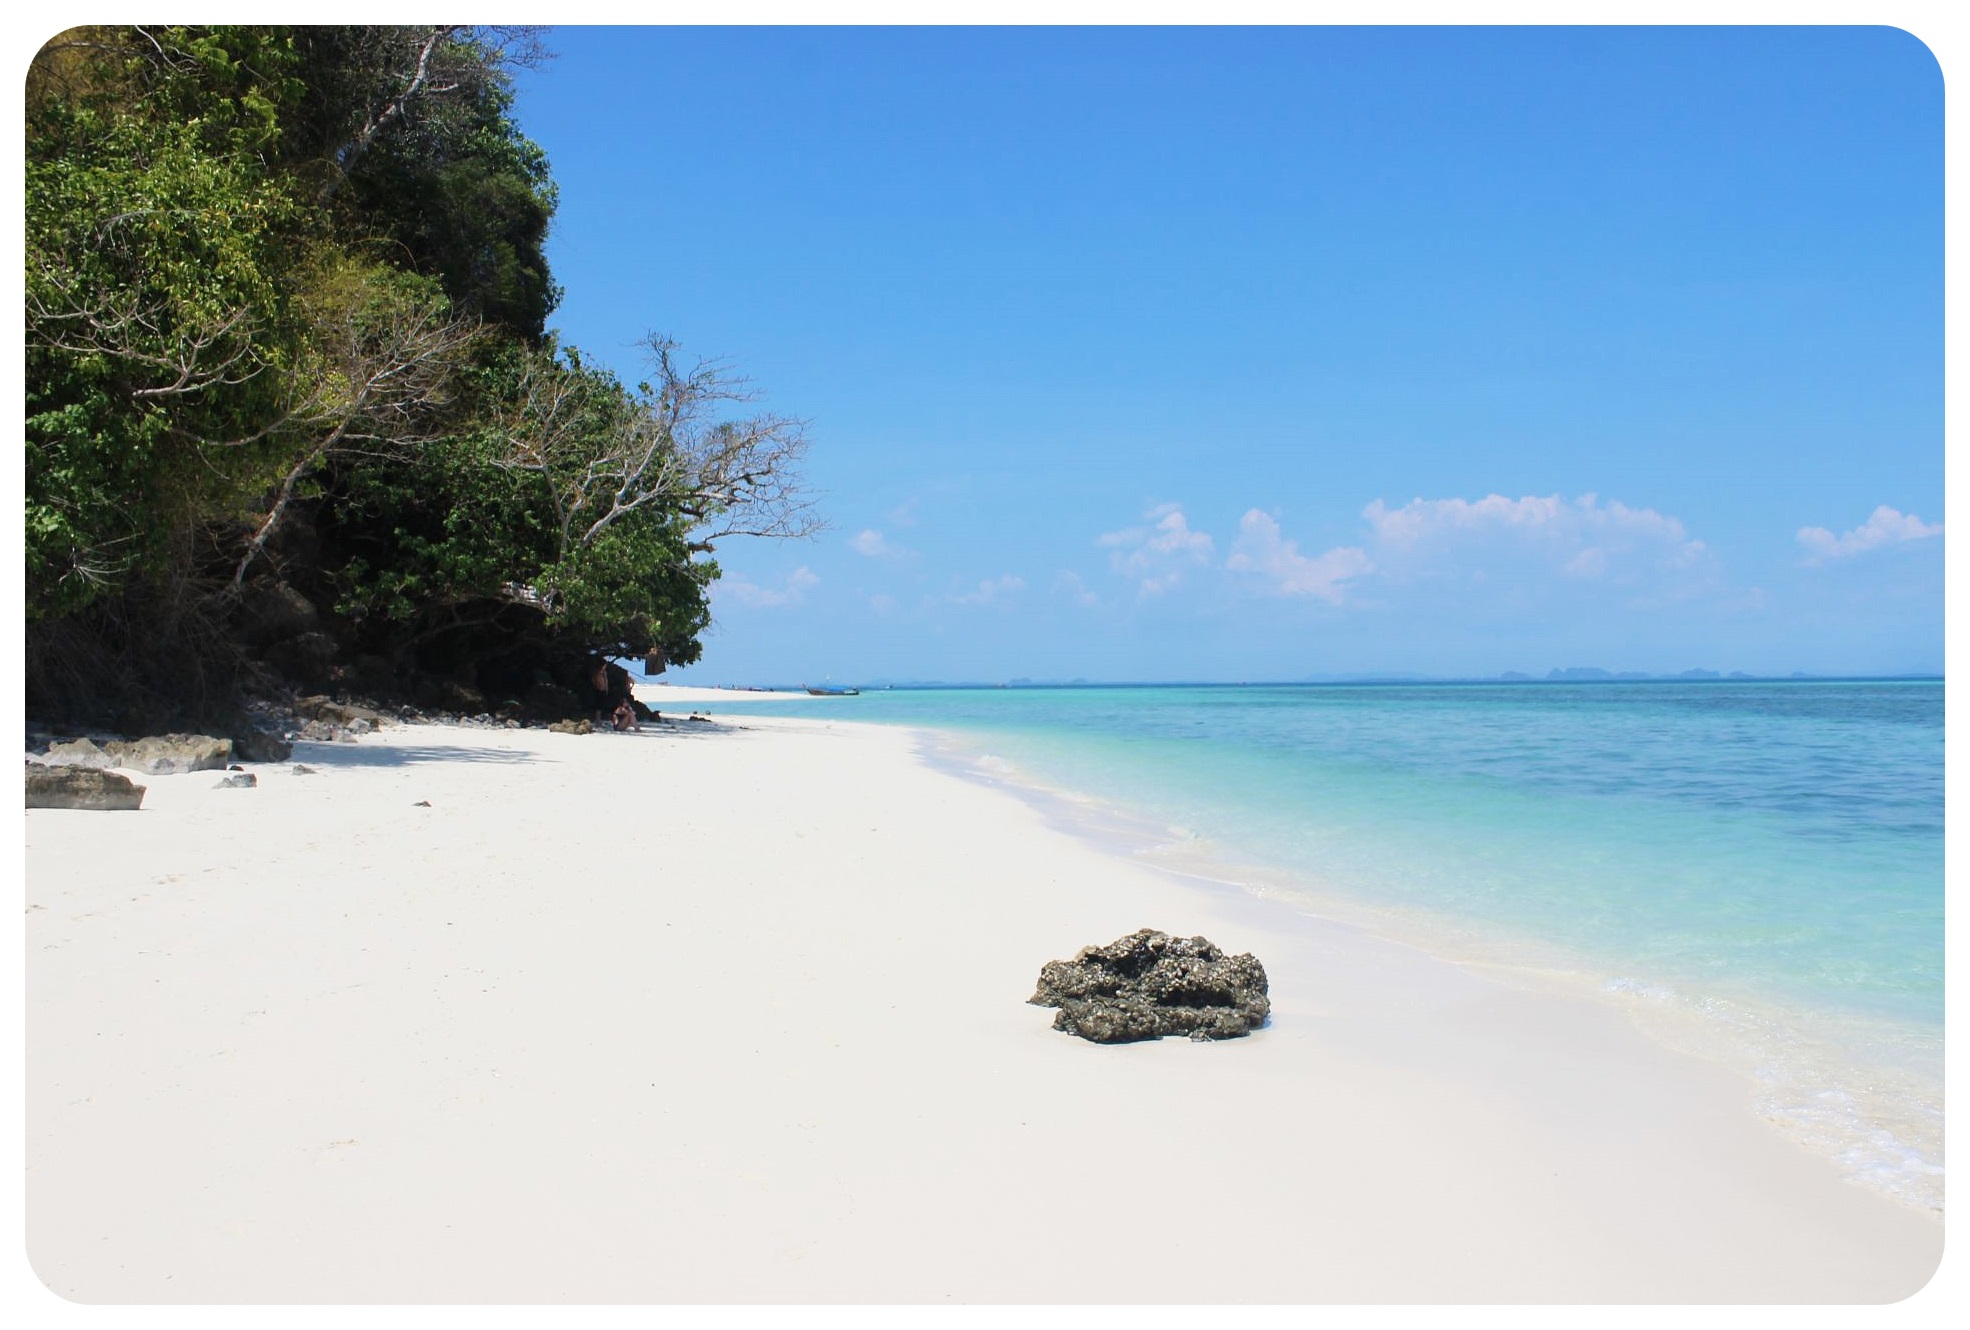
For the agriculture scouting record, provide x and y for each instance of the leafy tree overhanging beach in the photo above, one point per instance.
(288, 353)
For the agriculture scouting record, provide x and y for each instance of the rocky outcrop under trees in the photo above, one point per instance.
(81, 787)
(266, 730)
(1149, 984)
(154, 755)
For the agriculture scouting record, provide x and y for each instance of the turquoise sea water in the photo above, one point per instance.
(1756, 868)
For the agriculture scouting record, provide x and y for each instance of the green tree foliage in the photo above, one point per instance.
(286, 309)
(156, 318)
(410, 133)
(570, 497)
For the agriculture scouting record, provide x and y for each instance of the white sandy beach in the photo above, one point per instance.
(735, 1012)
(667, 695)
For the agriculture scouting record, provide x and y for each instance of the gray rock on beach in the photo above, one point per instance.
(330, 712)
(237, 780)
(173, 754)
(80, 787)
(83, 753)
(1149, 984)
(155, 755)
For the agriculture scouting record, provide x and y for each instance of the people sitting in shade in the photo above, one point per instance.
(612, 703)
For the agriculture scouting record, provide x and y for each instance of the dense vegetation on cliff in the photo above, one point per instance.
(293, 411)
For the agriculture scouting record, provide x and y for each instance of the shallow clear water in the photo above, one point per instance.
(1764, 859)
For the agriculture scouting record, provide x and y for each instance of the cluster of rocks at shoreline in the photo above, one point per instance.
(154, 755)
(79, 770)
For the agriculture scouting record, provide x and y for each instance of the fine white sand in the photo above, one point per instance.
(735, 1012)
(656, 693)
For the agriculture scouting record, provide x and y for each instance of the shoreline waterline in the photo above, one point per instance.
(1880, 1121)
(1858, 1090)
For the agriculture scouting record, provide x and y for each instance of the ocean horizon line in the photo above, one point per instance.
(1361, 680)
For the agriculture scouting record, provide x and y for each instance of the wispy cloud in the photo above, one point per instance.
(1550, 517)
(747, 592)
(1885, 526)
(904, 513)
(875, 545)
(1262, 550)
(1070, 585)
(1154, 556)
(1458, 555)
(1581, 539)
(992, 592)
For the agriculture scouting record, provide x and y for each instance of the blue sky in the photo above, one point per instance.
(1262, 354)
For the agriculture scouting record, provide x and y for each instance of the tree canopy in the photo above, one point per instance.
(287, 303)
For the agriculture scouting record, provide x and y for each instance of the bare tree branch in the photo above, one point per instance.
(176, 350)
(374, 375)
(415, 84)
(605, 456)
(432, 62)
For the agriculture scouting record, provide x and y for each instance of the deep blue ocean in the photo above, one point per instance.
(1755, 868)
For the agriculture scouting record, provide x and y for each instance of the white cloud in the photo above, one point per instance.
(1260, 549)
(1457, 556)
(905, 513)
(1421, 518)
(1154, 555)
(1582, 539)
(1590, 562)
(874, 545)
(882, 604)
(1884, 526)
(1070, 585)
(871, 543)
(748, 592)
(1405, 526)
(991, 592)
